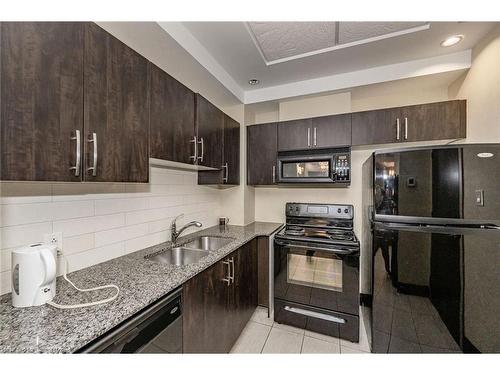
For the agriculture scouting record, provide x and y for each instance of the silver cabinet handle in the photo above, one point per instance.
(202, 150)
(308, 137)
(227, 279)
(93, 140)
(274, 174)
(231, 277)
(226, 174)
(406, 128)
(314, 314)
(314, 136)
(78, 154)
(195, 142)
(398, 126)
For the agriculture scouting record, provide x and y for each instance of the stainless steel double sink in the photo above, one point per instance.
(192, 251)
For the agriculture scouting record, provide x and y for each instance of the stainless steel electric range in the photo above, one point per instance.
(316, 270)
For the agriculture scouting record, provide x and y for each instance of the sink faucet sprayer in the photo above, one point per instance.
(173, 228)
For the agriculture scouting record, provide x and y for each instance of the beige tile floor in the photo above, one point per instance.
(263, 335)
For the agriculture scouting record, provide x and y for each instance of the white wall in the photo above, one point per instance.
(481, 87)
(314, 106)
(101, 221)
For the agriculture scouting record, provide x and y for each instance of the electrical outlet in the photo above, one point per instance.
(54, 239)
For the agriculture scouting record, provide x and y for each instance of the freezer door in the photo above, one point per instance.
(435, 289)
(449, 184)
(419, 183)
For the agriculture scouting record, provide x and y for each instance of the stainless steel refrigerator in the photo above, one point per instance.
(432, 247)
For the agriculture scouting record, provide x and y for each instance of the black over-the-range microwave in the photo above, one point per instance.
(315, 166)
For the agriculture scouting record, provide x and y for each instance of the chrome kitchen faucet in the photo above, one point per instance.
(173, 228)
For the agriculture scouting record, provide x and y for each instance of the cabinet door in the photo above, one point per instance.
(230, 172)
(331, 131)
(172, 118)
(116, 109)
(434, 121)
(232, 150)
(294, 135)
(41, 100)
(206, 316)
(375, 127)
(210, 129)
(244, 288)
(261, 154)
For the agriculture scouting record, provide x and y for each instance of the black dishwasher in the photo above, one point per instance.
(156, 329)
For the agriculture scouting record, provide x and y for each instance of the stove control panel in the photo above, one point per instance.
(335, 211)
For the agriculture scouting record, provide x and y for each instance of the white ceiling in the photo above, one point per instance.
(298, 58)
(282, 41)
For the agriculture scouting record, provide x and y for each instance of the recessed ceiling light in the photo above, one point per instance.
(253, 81)
(452, 40)
(485, 154)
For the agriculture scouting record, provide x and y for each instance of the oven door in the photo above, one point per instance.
(316, 276)
(306, 168)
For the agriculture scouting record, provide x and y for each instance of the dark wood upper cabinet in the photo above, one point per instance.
(434, 121)
(262, 143)
(230, 172)
(116, 109)
(210, 129)
(41, 100)
(231, 151)
(331, 131)
(294, 135)
(373, 127)
(423, 122)
(171, 118)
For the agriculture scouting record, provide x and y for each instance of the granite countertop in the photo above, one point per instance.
(45, 329)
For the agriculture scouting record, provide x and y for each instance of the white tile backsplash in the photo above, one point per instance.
(90, 224)
(113, 206)
(19, 235)
(120, 234)
(100, 221)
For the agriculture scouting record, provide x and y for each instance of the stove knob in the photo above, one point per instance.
(339, 210)
(346, 211)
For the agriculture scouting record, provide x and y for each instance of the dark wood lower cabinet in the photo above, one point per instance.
(263, 270)
(206, 327)
(245, 287)
(216, 312)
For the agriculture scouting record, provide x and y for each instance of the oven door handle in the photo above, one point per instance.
(335, 251)
(314, 314)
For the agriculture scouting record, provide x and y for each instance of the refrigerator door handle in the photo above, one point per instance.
(428, 228)
(491, 226)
